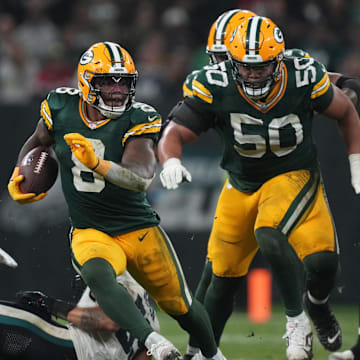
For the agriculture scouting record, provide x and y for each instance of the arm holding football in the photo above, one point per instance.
(136, 170)
(39, 137)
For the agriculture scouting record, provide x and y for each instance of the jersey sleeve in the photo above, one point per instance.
(322, 92)
(187, 85)
(145, 122)
(50, 106)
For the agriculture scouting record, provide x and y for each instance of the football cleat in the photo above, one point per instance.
(327, 328)
(299, 339)
(164, 351)
(217, 356)
(345, 355)
(161, 348)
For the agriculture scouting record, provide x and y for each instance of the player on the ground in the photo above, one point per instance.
(30, 322)
(104, 142)
(262, 104)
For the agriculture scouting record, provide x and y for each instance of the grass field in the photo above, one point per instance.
(243, 340)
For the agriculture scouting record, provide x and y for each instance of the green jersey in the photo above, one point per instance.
(260, 139)
(93, 202)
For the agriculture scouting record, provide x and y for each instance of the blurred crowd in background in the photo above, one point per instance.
(42, 40)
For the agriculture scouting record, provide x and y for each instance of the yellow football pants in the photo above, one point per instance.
(294, 203)
(149, 257)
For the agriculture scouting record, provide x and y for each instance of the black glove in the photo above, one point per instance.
(44, 303)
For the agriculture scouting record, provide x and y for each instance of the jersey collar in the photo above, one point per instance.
(273, 98)
(89, 123)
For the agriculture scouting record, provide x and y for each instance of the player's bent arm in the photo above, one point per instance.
(90, 319)
(169, 150)
(137, 167)
(343, 110)
(40, 136)
(173, 139)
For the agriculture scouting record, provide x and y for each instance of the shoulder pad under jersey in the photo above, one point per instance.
(209, 82)
(55, 101)
(144, 119)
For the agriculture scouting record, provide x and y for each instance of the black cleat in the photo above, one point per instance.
(326, 326)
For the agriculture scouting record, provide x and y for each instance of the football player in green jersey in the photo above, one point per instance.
(218, 40)
(262, 104)
(104, 142)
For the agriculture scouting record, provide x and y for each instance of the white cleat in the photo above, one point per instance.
(345, 355)
(299, 338)
(161, 348)
(217, 356)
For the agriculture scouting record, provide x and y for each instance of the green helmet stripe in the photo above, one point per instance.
(115, 52)
(221, 25)
(252, 35)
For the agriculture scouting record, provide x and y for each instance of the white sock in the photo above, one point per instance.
(300, 317)
(217, 356)
(153, 338)
(192, 350)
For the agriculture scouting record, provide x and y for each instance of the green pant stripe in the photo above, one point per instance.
(183, 285)
(75, 264)
(300, 204)
(336, 239)
(16, 317)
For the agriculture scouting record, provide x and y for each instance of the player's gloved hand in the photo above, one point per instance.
(15, 192)
(345, 355)
(6, 259)
(173, 174)
(82, 149)
(354, 160)
(47, 305)
(36, 300)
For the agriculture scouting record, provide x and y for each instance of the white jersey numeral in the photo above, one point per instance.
(79, 182)
(245, 134)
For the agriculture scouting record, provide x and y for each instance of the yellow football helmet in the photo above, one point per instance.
(221, 31)
(101, 64)
(255, 45)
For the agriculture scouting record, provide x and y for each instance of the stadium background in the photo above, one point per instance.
(40, 44)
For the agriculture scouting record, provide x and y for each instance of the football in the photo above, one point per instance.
(40, 170)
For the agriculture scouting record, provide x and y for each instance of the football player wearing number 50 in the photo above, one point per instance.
(104, 142)
(262, 104)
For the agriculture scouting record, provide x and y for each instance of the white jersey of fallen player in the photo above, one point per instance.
(105, 345)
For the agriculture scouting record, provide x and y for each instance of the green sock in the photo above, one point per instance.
(113, 299)
(204, 281)
(219, 302)
(196, 321)
(284, 265)
(200, 294)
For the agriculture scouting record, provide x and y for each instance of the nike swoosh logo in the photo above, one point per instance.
(331, 340)
(152, 118)
(141, 238)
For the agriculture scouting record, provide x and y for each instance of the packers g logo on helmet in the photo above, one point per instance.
(256, 43)
(101, 62)
(221, 31)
